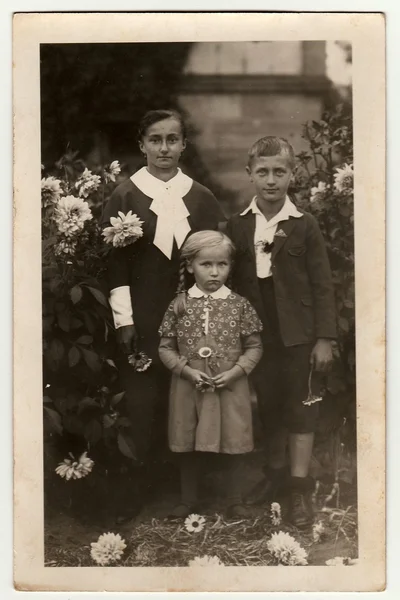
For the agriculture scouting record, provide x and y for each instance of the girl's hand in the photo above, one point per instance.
(321, 356)
(195, 376)
(226, 378)
(127, 338)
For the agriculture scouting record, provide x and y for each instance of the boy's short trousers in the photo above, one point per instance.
(281, 377)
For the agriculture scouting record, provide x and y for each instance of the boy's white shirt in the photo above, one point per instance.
(222, 293)
(172, 223)
(265, 232)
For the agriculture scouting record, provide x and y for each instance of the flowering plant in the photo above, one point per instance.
(75, 469)
(286, 550)
(124, 230)
(109, 548)
(323, 186)
(82, 397)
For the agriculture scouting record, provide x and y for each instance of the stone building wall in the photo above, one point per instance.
(235, 93)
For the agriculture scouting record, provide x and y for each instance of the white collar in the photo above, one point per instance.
(223, 292)
(178, 186)
(287, 210)
(168, 205)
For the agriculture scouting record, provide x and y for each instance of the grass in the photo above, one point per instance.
(156, 542)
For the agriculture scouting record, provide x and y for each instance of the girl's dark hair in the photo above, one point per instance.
(154, 116)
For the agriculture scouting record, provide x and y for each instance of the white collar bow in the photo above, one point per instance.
(168, 205)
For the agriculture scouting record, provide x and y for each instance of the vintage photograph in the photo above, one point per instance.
(198, 304)
(206, 380)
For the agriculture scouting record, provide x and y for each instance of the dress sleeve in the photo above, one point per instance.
(252, 352)
(169, 355)
(169, 323)
(118, 270)
(250, 321)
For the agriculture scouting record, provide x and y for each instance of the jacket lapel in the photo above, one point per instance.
(279, 240)
(249, 222)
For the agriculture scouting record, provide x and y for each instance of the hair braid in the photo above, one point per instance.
(180, 298)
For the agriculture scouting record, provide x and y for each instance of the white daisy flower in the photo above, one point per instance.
(108, 548)
(286, 550)
(51, 191)
(276, 517)
(318, 191)
(87, 183)
(71, 214)
(344, 178)
(124, 230)
(75, 469)
(194, 523)
(206, 561)
(318, 531)
(112, 171)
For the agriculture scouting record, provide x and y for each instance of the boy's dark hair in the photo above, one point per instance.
(154, 116)
(272, 146)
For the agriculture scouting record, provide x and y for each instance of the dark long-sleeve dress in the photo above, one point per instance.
(152, 278)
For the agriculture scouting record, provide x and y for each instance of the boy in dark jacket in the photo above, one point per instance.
(282, 268)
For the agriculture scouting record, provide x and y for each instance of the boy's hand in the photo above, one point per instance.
(195, 376)
(228, 377)
(321, 356)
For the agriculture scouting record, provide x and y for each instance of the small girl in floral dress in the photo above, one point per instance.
(210, 341)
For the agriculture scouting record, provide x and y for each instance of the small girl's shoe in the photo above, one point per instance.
(181, 511)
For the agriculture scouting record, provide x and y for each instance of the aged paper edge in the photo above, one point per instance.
(367, 34)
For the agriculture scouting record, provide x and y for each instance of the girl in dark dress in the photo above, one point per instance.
(143, 275)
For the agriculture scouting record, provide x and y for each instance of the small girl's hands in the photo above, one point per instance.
(195, 376)
(226, 378)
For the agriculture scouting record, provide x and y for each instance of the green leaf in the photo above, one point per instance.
(344, 324)
(123, 422)
(91, 359)
(117, 398)
(76, 323)
(100, 297)
(108, 421)
(57, 349)
(73, 424)
(349, 304)
(93, 431)
(84, 339)
(126, 445)
(73, 356)
(47, 399)
(111, 363)
(87, 402)
(64, 322)
(54, 420)
(76, 294)
(89, 322)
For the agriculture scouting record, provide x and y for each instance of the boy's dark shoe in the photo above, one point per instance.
(301, 513)
(267, 489)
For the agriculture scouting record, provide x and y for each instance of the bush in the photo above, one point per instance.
(82, 399)
(324, 187)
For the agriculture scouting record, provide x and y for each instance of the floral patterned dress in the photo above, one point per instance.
(215, 333)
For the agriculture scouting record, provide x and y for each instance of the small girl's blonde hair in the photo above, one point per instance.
(192, 246)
